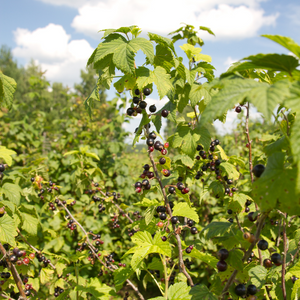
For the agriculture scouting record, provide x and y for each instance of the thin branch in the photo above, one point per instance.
(247, 254)
(249, 142)
(284, 258)
(177, 236)
(32, 247)
(93, 249)
(238, 223)
(14, 272)
(196, 116)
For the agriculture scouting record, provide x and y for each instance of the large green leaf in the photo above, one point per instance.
(182, 209)
(30, 223)
(120, 276)
(273, 62)
(276, 188)
(147, 245)
(179, 291)
(162, 41)
(204, 256)
(162, 81)
(216, 228)
(144, 45)
(201, 292)
(286, 42)
(230, 170)
(7, 230)
(12, 192)
(258, 275)
(6, 154)
(7, 88)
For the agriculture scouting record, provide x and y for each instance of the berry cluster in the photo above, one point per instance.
(58, 291)
(275, 259)
(242, 291)
(189, 249)
(157, 145)
(138, 105)
(222, 255)
(43, 258)
(71, 225)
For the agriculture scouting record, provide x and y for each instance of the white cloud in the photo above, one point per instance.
(228, 19)
(52, 49)
(229, 61)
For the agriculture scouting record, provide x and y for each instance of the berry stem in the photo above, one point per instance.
(14, 272)
(284, 258)
(177, 236)
(246, 255)
(32, 247)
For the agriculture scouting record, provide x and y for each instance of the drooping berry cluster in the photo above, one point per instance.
(138, 105)
(57, 291)
(157, 145)
(222, 255)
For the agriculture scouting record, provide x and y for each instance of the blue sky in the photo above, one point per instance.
(61, 34)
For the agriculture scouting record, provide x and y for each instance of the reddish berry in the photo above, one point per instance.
(138, 189)
(31, 255)
(26, 260)
(151, 149)
(164, 151)
(166, 145)
(186, 190)
(160, 224)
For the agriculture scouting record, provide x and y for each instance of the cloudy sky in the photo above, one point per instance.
(61, 34)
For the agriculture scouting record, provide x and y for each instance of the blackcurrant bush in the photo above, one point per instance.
(258, 170)
(174, 220)
(240, 290)
(251, 289)
(147, 91)
(223, 254)
(262, 245)
(222, 266)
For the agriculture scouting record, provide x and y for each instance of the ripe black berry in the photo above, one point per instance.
(164, 238)
(229, 211)
(136, 100)
(262, 245)
(240, 290)
(143, 104)
(194, 230)
(158, 145)
(138, 185)
(147, 91)
(251, 289)
(163, 216)
(217, 142)
(2, 168)
(137, 91)
(152, 108)
(223, 254)
(248, 203)
(230, 220)
(258, 170)
(162, 160)
(238, 109)
(164, 113)
(229, 181)
(180, 186)
(174, 220)
(199, 147)
(190, 223)
(172, 190)
(152, 135)
(160, 209)
(251, 218)
(222, 266)
(188, 250)
(130, 111)
(276, 259)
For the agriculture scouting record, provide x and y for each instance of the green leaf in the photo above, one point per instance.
(258, 275)
(7, 230)
(182, 209)
(230, 170)
(145, 120)
(12, 192)
(144, 45)
(296, 288)
(6, 154)
(286, 42)
(217, 188)
(201, 292)
(204, 136)
(147, 202)
(93, 155)
(162, 41)
(162, 81)
(121, 275)
(204, 256)
(206, 29)
(7, 89)
(185, 159)
(30, 223)
(179, 291)
(276, 188)
(273, 62)
(149, 214)
(71, 152)
(216, 228)
(235, 259)
(127, 81)
(186, 197)
(156, 264)
(279, 145)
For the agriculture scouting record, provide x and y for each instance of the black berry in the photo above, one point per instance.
(258, 170)
(223, 254)
(147, 91)
(262, 245)
(152, 108)
(240, 290)
(222, 266)
(164, 113)
(251, 289)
